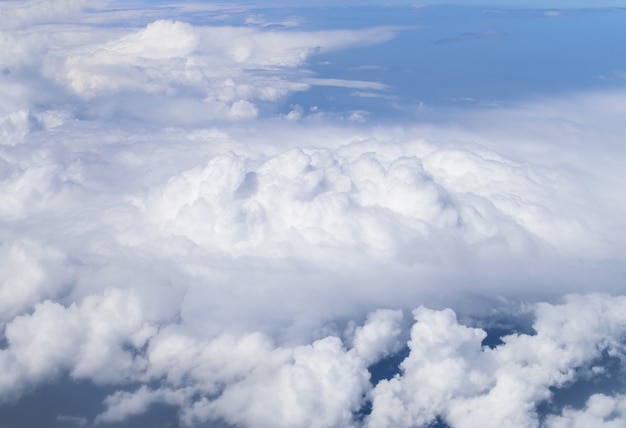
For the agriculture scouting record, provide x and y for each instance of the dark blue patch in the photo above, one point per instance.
(67, 403)
(42, 406)
(438, 423)
(388, 367)
(72, 404)
(495, 335)
(611, 382)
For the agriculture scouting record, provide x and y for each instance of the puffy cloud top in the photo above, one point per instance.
(167, 233)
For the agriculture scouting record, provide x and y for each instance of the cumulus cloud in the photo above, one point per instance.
(449, 374)
(600, 411)
(92, 340)
(379, 337)
(219, 72)
(170, 55)
(31, 273)
(167, 235)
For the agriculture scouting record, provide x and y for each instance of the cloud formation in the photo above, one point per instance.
(449, 374)
(166, 234)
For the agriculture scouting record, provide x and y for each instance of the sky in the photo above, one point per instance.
(312, 215)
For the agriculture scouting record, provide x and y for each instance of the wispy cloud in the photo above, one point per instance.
(473, 35)
(345, 83)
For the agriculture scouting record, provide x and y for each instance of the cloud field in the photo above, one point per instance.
(169, 233)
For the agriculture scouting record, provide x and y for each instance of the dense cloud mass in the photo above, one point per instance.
(168, 234)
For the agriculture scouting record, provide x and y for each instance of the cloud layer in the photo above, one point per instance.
(167, 233)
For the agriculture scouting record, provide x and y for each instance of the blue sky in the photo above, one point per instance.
(457, 54)
(259, 215)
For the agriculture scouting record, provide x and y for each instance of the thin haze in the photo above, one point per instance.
(230, 215)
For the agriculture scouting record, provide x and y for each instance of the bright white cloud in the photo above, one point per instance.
(218, 72)
(169, 56)
(159, 236)
(449, 374)
(379, 337)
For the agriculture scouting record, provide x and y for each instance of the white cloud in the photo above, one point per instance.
(30, 273)
(121, 405)
(449, 374)
(379, 337)
(342, 83)
(600, 411)
(159, 40)
(443, 363)
(322, 386)
(169, 56)
(260, 20)
(161, 235)
(218, 72)
(40, 346)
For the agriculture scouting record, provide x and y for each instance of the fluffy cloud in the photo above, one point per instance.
(223, 69)
(449, 374)
(31, 273)
(166, 234)
(218, 72)
(93, 339)
(350, 194)
(379, 337)
(249, 381)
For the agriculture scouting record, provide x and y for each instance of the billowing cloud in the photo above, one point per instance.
(449, 374)
(169, 235)
(216, 72)
(32, 273)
